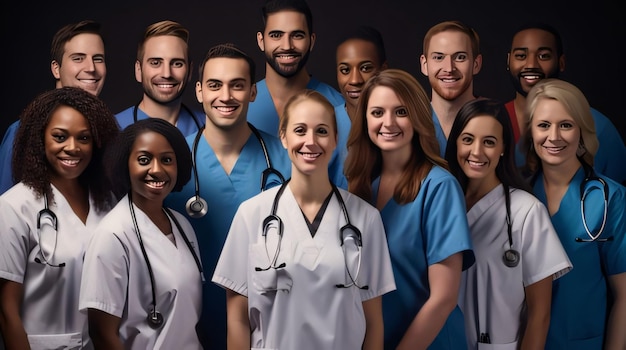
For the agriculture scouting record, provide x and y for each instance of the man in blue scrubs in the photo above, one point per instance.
(229, 160)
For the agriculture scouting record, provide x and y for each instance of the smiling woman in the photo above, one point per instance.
(140, 241)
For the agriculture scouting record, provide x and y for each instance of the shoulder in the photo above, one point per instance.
(439, 175)
(19, 194)
(125, 117)
(333, 96)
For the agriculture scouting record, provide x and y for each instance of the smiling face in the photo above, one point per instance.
(226, 91)
(450, 65)
(152, 168)
(164, 69)
(83, 64)
(286, 42)
(357, 61)
(309, 136)
(555, 134)
(533, 57)
(388, 123)
(68, 143)
(479, 148)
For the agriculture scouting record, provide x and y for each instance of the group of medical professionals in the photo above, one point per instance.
(289, 215)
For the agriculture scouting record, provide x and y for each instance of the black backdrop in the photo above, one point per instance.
(593, 35)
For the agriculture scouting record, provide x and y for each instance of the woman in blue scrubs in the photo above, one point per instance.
(393, 162)
(589, 303)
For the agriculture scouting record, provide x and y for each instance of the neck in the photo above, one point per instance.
(168, 111)
(351, 110)
(279, 84)
(226, 140)
(476, 190)
(447, 110)
(394, 162)
(309, 189)
(560, 175)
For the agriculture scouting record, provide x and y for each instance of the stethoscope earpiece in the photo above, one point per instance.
(511, 258)
(155, 319)
(196, 207)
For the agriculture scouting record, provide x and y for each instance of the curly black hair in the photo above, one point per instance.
(29, 161)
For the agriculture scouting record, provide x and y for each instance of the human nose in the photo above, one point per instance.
(310, 138)
(166, 71)
(71, 145)
(225, 94)
(448, 63)
(90, 65)
(286, 42)
(155, 166)
(355, 77)
(475, 148)
(555, 133)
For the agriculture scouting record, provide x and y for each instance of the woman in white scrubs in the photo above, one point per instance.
(505, 296)
(588, 212)
(305, 264)
(393, 161)
(141, 284)
(48, 217)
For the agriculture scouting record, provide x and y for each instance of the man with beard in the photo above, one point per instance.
(77, 53)
(537, 53)
(287, 40)
(450, 59)
(163, 68)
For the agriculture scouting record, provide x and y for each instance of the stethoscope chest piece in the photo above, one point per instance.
(196, 207)
(511, 258)
(155, 319)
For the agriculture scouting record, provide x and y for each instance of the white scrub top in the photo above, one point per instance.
(50, 306)
(492, 295)
(116, 280)
(299, 306)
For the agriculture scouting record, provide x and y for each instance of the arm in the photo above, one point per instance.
(104, 330)
(10, 321)
(237, 321)
(538, 300)
(444, 279)
(615, 335)
(374, 331)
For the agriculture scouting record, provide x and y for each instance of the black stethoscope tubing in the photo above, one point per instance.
(197, 206)
(155, 318)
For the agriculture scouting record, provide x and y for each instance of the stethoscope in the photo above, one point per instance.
(348, 231)
(187, 109)
(511, 256)
(155, 318)
(46, 212)
(590, 175)
(197, 206)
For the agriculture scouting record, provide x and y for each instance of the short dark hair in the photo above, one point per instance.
(300, 6)
(506, 170)
(228, 50)
(67, 32)
(371, 35)
(545, 27)
(120, 152)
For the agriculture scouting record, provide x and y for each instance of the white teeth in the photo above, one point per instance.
(225, 109)
(155, 184)
(70, 162)
(89, 81)
(476, 163)
(389, 134)
(165, 86)
(310, 155)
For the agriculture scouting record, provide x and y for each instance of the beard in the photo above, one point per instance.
(516, 79)
(289, 72)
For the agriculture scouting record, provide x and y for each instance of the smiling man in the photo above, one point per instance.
(450, 60)
(77, 59)
(163, 68)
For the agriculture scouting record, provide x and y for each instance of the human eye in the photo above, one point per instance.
(86, 138)
(78, 58)
(402, 112)
(366, 68)
(214, 85)
(460, 57)
(519, 55)
(178, 64)
(545, 56)
(298, 35)
(154, 62)
(567, 125)
(59, 137)
(466, 139)
(489, 142)
(437, 57)
(376, 113)
(144, 159)
(345, 70)
(299, 130)
(239, 85)
(168, 159)
(543, 125)
(275, 35)
(98, 59)
(322, 130)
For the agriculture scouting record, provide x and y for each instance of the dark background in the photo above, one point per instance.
(593, 34)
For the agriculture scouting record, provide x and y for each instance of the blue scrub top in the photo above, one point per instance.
(421, 233)
(223, 194)
(187, 123)
(441, 137)
(6, 154)
(579, 299)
